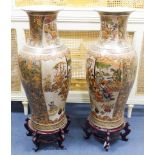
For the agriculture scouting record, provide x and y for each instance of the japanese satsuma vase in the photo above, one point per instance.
(111, 69)
(45, 70)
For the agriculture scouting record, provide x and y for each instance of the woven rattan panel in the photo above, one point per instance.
(140, 85)
(86, 3)
(78, 43)
(15, 80)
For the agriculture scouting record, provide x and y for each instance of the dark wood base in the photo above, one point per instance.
(39, 137)
(106, 135)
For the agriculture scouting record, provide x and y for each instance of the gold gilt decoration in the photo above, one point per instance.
(78, 43)
(111, 28)
(43, 29)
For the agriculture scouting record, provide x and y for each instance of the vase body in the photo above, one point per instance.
(45, 70)
(110, 71)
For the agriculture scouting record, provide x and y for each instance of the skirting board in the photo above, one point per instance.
(78, 97)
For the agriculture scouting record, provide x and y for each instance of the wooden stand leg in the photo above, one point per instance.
(87, 130)
(39, 137)
(106, 135)
(36, 142)
(61, 138)
(29, 132)
(127, 130)
(66, 130)
(60, 143)
(107, 141)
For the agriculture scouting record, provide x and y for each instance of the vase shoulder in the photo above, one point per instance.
(44, 50)
(111, 47)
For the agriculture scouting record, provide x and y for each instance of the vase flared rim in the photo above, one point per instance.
(114, 10)
(41, 8)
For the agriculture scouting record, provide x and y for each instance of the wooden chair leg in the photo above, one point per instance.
(25, 105)
(130, 107)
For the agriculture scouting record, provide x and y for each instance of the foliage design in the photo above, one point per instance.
(113, 27)
(30, 71)
(43, 29)
(60, 83)
(104, 80)
(31, 76)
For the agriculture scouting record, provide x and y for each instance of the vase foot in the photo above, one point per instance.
(107, 141)
(106, 136)
(39, 137)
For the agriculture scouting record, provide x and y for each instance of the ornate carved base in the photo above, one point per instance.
(39, 137)
(106, 135)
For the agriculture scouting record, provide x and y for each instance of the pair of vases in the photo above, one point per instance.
(45, 70)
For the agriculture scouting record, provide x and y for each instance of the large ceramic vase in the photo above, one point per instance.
(45, 70)
(111, 69)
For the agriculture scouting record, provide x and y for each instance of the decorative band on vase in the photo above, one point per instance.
(49, 127)
(105, 124)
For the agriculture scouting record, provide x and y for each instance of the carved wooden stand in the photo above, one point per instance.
(39, 137)
(105, 135)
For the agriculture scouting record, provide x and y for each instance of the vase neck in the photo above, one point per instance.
(43, 28)
(113, 27)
